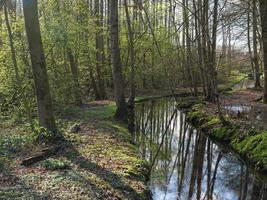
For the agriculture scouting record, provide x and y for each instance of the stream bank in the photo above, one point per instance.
(187, 164)
(242, 136)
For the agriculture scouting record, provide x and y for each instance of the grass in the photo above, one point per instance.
(99, 161)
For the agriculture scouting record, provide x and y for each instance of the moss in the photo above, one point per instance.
(255, 148)
(250, 143)
(210, 122)
(220, 133)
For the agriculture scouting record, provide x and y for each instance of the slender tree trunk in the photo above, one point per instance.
(263, 12)
(121, 112)
(132, 54)
(255, 46)
(11, 42)
(188, 49)
(249, 43)
(132, 64)
(44, 100)
(213, 69)
(18, 82)
(100, 55)
(74, 72)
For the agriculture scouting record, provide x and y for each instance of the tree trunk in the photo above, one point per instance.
(249, 43)
(100, 56)
(74, 73)
(263, 12)
(18, 83)
(132, 74)
(44, 100)
(121, 112)
(255, 46)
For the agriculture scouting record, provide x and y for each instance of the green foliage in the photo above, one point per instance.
(41, 134)
(14, 142)
(54, 164)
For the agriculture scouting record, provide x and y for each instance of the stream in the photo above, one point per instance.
(187, 164)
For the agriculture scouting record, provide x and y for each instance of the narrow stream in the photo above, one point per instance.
(188, 164)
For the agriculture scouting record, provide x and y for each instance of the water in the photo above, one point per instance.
(238, 108)
(244, 84)
(188, 164)
(252, 112)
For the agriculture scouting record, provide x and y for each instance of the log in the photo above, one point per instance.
(41, 155)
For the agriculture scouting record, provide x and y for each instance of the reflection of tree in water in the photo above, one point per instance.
(187, 165)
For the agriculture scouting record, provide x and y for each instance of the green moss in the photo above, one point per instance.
(210, 122)
(254, 147)
(248, 142)
(220, 133)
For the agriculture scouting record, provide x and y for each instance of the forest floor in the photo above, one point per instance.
(99, 161)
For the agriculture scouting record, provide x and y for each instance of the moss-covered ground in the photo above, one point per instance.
(249, 142)
(99, 161)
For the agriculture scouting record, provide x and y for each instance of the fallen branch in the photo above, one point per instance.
(41, 155)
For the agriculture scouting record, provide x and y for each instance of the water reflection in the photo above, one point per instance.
(253, 112)
(187, 165)
(244, 84)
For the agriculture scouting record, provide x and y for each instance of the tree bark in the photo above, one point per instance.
(263, 12)
(255, 46)
(132, 73)
(44, 100)
(121, 112)
(100, 56)
(74, 73)
(249, 43)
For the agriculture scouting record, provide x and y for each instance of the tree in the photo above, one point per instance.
(255, 44)
(74, 72)
(263, 13)
(18, 83)
(44, 101)
(100, 55)
(121, 112)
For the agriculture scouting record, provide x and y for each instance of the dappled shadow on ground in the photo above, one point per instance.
(110, 178)
(96, 162)
(81, 179)
(13, 187)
